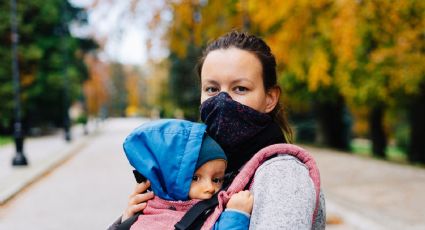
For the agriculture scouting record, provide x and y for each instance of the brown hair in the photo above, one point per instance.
(263, 52)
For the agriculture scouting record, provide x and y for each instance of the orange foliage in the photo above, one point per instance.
(132, 86)
(368, 50)
(95, 87)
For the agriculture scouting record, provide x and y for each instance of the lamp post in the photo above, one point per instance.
(19, 159)
(66, 118)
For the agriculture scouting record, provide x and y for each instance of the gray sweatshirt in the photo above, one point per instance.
(284, 196)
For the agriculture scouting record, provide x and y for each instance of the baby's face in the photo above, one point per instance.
(207, 180)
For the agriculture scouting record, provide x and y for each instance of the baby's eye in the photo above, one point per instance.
(195, 178)
(240, 89)
(217, 180)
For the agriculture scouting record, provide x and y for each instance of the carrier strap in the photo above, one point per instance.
(196, 216)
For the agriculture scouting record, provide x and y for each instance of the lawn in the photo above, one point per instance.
(5, 140)
(364, 147)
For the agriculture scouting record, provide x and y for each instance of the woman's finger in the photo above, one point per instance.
(138, 208)
(131, 210)
(139, 198)
(141, 188)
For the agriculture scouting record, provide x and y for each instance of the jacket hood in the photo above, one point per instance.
(165, 152)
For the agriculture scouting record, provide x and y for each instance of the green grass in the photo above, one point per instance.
(5, 140)
(364, 147)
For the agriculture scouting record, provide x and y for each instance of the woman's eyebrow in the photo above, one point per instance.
(242, 79)
(210, 81)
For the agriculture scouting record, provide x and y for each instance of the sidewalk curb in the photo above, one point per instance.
(22, 177)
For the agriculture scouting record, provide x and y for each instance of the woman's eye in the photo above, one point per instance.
(240, 89)
(217, 180)
(195, 178)
(211, 89)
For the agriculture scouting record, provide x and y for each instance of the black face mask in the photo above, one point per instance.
(230, 122)
(240, 130)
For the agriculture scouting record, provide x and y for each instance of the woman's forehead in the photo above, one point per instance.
(232, 63)
(231, 55)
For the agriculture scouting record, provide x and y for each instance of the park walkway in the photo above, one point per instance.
(90, 177)
(43, 154)
(370, 193)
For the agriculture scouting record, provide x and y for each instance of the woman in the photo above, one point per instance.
(240, 106)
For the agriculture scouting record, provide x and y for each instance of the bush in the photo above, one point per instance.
(402, 136)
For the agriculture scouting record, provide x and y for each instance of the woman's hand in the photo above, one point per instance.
(137, 200)
(241, 201)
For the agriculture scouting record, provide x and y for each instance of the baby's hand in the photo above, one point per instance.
(241, 201)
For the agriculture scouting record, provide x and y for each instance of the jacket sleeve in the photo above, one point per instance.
(118, 225)
(284, 195)
(232, 220)
(115, 225)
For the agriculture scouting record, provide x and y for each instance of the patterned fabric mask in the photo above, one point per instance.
(240, 130)
(229, 122)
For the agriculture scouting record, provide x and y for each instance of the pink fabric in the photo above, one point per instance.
(162, 214)
(248, 171)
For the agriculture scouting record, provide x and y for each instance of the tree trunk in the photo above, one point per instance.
(335, 124)
(377, 133)
(417, 129)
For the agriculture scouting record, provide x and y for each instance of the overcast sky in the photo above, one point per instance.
(124, 31)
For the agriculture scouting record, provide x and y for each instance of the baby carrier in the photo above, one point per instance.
(245, 177)
(204, 214)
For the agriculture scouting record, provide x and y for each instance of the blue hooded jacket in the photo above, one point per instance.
(165, 152)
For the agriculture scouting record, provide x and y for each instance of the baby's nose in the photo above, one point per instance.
(209, 187)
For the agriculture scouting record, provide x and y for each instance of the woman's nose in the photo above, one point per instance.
(224, 93)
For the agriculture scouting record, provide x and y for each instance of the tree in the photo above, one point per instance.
(118, 91)
(184, 86)
(47, 52)
(389, 74)
(193, 23)
(96, 86)
(335, 55)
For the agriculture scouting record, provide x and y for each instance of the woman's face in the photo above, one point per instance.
(238, 73)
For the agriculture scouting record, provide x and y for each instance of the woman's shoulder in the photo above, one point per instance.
(288, 158)
(282, 162)
(283, 172)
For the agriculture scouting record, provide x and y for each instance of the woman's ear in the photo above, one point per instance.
(272, 98)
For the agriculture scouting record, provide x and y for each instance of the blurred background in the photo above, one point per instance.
(352, 71)
(352, 74)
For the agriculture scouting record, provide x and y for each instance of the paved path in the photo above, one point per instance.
(88, 191)
(42, 153)
(371, 194)
(90, 188)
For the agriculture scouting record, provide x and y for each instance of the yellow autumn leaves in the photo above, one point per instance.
(347, 44)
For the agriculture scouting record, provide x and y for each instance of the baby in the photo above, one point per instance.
(183, 165)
